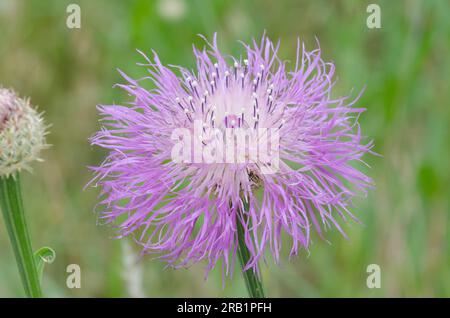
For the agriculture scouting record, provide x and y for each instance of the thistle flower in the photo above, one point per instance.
(22, 137)
(188, 211)
(22, 133)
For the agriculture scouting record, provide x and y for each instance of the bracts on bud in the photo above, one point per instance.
(22, 133)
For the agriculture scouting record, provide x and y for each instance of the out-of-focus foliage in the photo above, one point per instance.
(404, 67)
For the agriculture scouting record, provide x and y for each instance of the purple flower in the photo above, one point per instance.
(187, 211)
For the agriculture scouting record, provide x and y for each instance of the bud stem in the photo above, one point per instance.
(252, 279)
(13, 213)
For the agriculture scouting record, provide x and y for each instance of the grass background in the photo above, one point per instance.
(404, 66)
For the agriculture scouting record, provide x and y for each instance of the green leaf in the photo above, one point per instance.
(44, 255)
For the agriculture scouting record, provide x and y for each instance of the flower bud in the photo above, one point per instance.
(22, 133)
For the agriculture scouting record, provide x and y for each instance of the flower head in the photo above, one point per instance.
(187, 210)
(22, 133)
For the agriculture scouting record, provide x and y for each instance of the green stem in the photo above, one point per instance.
(13, 213)
(252, 280)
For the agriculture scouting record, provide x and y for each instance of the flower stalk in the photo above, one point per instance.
(252, 279)
(14, 217)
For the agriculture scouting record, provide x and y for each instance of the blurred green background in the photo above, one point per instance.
(404, 65)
